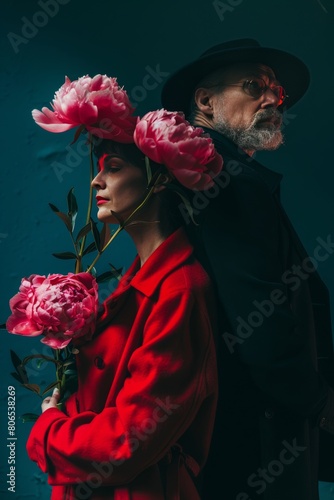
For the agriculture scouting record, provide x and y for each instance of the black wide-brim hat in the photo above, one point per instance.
(289, 70)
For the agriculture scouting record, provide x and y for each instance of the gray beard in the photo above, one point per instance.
(254, 138)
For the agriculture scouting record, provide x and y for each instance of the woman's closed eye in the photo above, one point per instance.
(109, 163)
(111, 169)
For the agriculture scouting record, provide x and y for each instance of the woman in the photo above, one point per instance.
(140, 423)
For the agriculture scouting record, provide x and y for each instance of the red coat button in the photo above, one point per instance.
(99, 363)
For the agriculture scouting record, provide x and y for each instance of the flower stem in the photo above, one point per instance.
(57, 355)
(90, 204)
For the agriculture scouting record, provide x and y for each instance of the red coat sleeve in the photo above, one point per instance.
(168, 380)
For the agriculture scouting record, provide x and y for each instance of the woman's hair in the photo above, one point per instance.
(170, 201)
(129, 152)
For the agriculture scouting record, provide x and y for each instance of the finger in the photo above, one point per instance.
(55, 396)
(56, 393)
(51, 400)
(45, 404)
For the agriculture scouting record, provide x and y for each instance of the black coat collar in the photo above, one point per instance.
(226, 147)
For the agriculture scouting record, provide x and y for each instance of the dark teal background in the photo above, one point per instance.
(130, 40)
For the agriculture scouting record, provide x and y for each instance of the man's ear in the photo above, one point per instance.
(164, 179)
(203, 99)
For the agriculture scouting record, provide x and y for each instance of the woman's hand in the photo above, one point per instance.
(51, 401)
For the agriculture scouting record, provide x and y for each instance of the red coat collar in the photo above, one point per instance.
(172, 253)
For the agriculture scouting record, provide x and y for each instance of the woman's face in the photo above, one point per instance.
(120, 186)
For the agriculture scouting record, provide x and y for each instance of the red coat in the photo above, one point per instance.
(147, 389)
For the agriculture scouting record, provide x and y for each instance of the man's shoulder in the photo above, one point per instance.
(239, 167)
(239, 180)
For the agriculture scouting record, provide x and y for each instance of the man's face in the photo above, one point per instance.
(252, 122)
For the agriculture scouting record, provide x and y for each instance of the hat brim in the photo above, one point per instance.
(290, 71)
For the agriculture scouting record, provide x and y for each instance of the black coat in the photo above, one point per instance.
(274, 336)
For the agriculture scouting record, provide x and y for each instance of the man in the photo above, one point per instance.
(274, 341)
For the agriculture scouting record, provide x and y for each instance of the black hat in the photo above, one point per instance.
(289, 70)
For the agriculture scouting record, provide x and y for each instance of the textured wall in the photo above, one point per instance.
(42, 41)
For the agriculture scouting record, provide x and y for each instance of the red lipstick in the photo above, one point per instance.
(100, 200)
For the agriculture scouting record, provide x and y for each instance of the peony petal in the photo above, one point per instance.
(55, 343)
(62, 307)
(49, 121)
(116, 134)
(20, 327)
(168, 138)
(99, 104)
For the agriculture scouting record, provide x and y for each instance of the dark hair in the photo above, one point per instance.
(170, 201)
(129, 152)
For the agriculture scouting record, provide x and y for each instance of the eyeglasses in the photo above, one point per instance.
(257, 87)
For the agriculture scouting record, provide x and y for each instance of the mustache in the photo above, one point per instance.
(270, 113)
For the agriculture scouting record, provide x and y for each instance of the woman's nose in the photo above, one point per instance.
(97, 182)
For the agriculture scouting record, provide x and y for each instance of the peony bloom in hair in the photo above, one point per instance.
(97, 103)
(167, 138)
(59, 307)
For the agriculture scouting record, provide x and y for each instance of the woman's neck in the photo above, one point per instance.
(147, 237)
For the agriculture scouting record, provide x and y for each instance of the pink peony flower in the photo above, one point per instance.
(97, 103)
(59, 307)
(166, 137)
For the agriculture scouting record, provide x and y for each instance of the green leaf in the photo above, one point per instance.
(105, 236)
(65, 218)
(90, 248)
(96, 233)
(72, 207)
(50, 386)
(65, 255)
(54, 208)
(71, 380)
(114, 273)
(17, 377)
(33, 387)
(40, 362)
(72, 202)
(77, 133)
(21, 373)
(29, 417)
(148, 170)
(70, 372)
(68, 362)
(117, 218)
(15, 359)
(38, 356)
(117, 272)
(83, 232)
(71, 385)
(104, 276)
